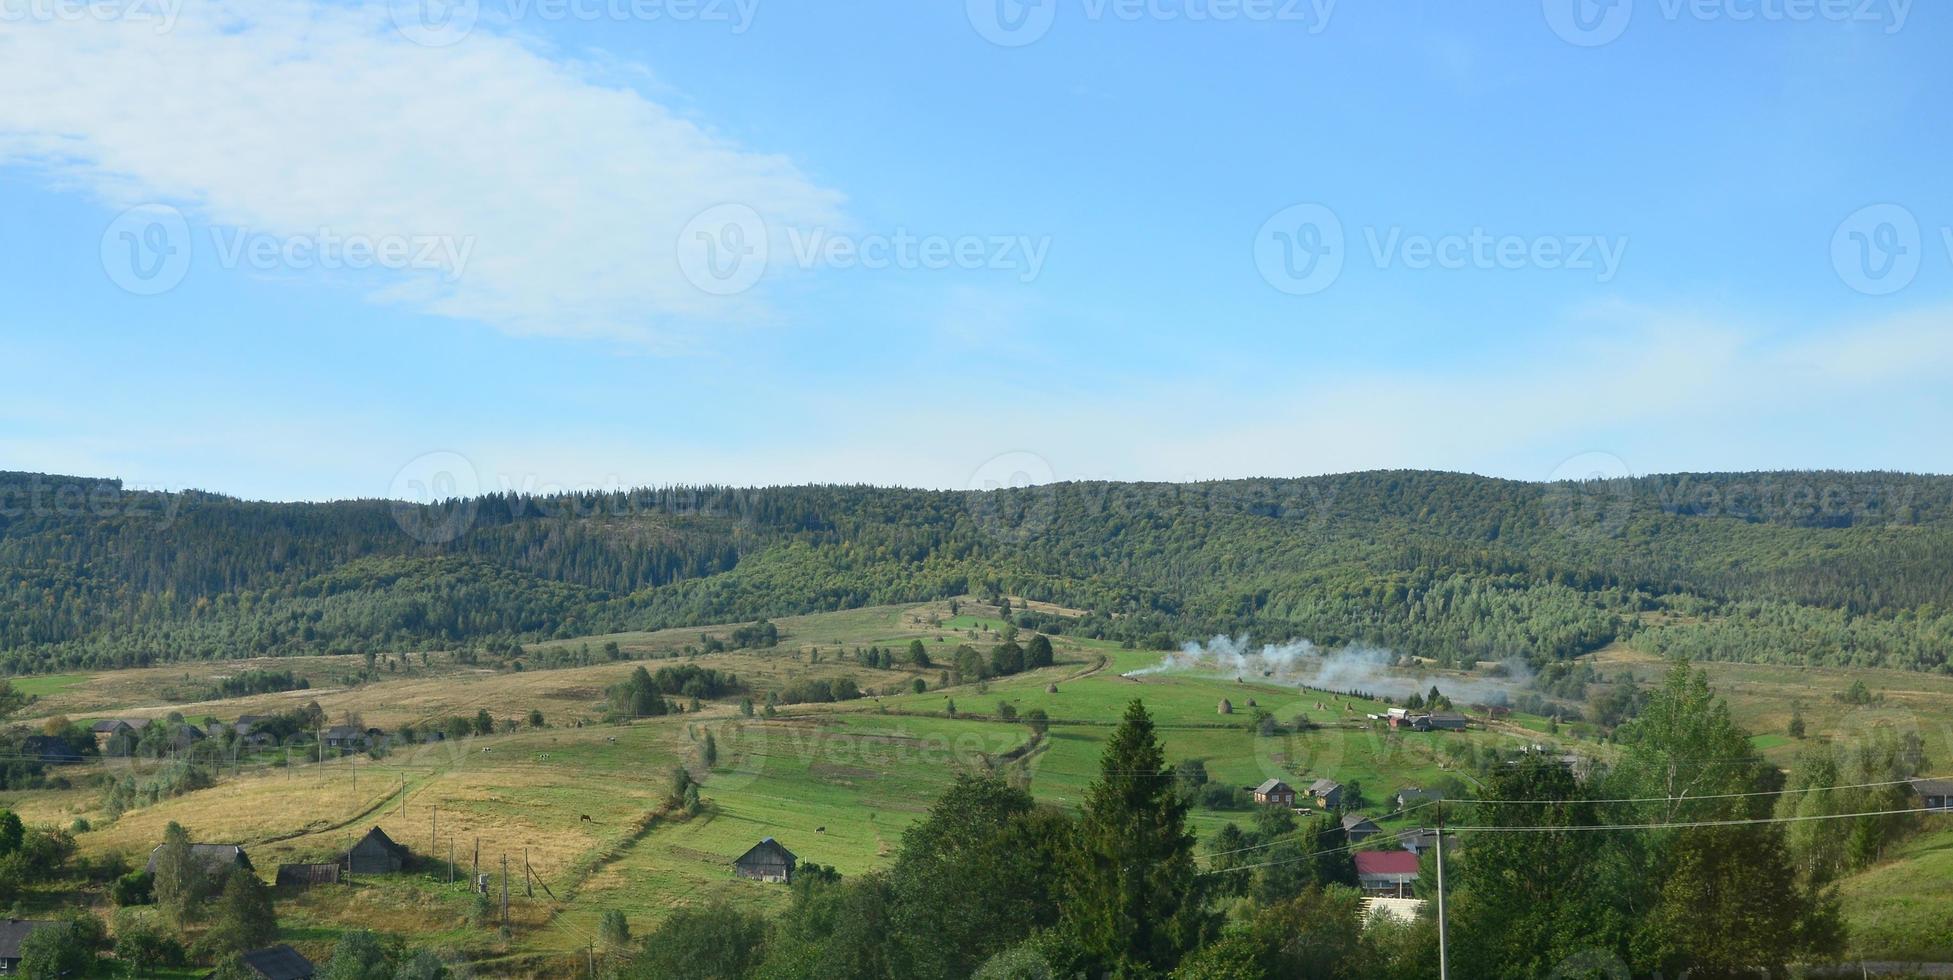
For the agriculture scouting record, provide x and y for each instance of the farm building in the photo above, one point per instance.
(1443, 721)
(307, 875)
(376, 854)
(1934, 794)
(1274, 792)
(12, 932)
(767, 861)
(1327, 793)
(280, 962)
(1359, 828)
(1386, 874)
(1411, 796)
(345, 737)
(215, 858)
(109, 729)
(1425, 839)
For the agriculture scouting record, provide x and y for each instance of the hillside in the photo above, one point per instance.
(1817, 568)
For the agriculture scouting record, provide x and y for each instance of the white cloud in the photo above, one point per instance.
(287, 117)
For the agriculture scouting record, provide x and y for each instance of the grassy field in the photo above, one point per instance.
(586, 806)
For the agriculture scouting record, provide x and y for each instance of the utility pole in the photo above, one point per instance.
(434, 834)
(505, 890)
(528, 887)
(1444, 963)
(592, 950)
(474, 874)
(450, 860)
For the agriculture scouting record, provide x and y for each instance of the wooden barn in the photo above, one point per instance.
(376, 854)
(767, 861)
(1274, 792)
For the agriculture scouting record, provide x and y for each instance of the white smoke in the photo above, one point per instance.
(1372, 670)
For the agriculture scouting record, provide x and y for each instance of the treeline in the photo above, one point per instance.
(1798, 567)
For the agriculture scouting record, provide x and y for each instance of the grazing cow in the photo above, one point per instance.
(820, 830)
(586, 818)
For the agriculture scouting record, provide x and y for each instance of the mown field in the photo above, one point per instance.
(586, 805)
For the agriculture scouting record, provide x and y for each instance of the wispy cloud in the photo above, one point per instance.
(288, 117)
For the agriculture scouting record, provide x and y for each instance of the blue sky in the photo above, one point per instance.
(1117, 196)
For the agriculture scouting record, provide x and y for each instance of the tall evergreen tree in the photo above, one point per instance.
(1132, 902)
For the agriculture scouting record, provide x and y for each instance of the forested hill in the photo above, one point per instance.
(1834, 568)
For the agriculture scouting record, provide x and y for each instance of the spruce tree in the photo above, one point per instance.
(1131, 902)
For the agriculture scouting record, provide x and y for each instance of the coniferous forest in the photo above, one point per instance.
(1822, 568)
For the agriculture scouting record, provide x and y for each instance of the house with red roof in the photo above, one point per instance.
(1386, 874)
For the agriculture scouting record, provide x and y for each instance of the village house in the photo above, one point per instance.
(280, 962)
(376, 854)
(109, 729)
(1274, 792)
(216, 859)
(345, 737)
(12, 932)
(1425, 839)
(1411, 796)
(1386, 874)
(766, 861)
(1934, 794)
(1359, 828)
(1443, 721)
(1327, 793)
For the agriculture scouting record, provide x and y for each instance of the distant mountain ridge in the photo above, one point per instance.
(1800, 567)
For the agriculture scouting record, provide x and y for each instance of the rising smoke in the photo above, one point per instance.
(1359, 667)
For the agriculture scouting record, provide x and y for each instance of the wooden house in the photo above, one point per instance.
(1934, 794)
(1274, 792)
(1327, 793)
(12, 933)
(215, 859)
(280, 962)
(1359, 828)
(376, 854)
(767, 861)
